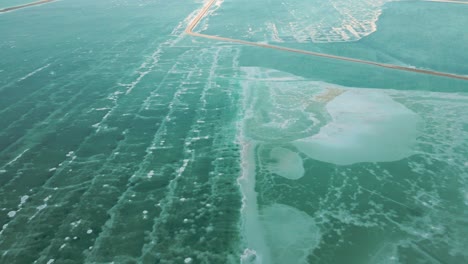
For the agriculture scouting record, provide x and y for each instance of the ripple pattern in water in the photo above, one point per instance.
(141, 167)
(124, 140)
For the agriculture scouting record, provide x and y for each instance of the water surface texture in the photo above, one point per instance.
(153, 131)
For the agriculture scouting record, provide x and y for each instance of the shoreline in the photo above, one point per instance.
(449, 1)
(8, 9)
(208, 5)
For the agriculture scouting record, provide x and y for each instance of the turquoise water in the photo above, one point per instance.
(381, 31)
(125, 140)
(10, 3)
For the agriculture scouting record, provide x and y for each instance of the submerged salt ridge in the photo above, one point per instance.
(124, 163)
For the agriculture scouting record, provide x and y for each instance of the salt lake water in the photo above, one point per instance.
(124, 139)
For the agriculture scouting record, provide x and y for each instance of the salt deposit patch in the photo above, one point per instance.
(249, 256)
(24, 198)
(286, 163)
(322, 21)
(281, 106)
(366, 126)
(11, 214)
(290, 233)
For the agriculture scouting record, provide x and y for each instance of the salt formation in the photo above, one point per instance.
(286, 163)
(290, 233)
(324, 21)
(366, 126)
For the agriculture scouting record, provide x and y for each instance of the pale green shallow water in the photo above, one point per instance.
(10, 3)
(124, 140)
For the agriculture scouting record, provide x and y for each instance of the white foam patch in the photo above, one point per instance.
(11, 214)
(366, 126)
(16, 158)
(286, 163)
(33, 72)
(249, 256)
(23, 199)
(290, 234)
